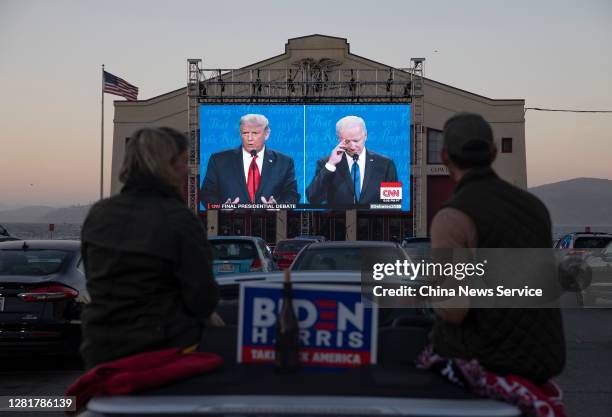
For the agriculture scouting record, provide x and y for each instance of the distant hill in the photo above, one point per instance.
(73, 214)
(580, 201)
(45, 214)
(24, 214)
(4, 206)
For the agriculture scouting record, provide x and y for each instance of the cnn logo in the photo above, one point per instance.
(391, 191)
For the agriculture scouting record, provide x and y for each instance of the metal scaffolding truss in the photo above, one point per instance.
(308, 81)
(306, 218)
(193, 121)
(419, 175)
(304, 84)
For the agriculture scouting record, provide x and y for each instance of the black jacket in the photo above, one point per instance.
(504, 215)
(527, 342)
(149, 273)
(337, 187)
(225, 178)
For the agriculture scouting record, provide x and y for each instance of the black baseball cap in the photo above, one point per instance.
(468, 139)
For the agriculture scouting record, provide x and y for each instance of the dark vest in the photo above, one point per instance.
(524, 342)
(505, 216)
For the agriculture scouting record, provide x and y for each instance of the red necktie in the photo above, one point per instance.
(253, 179)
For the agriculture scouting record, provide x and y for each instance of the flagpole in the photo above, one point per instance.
(102, 142)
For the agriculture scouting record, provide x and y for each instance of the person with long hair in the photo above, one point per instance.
(147, 260)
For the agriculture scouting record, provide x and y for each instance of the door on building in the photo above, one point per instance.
(439, 191)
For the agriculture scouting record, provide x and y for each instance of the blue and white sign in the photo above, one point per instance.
(337, 328)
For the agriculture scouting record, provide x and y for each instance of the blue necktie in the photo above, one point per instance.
(357, 179)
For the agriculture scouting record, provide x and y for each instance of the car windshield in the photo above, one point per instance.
(292, 245)
(342, 259)
(592, 242)
(31, 262)
(226, 250)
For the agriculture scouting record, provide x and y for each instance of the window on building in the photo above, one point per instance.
(434, 146)
(506, 145)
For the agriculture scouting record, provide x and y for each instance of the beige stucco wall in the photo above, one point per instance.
(505, 116)
(167, 110)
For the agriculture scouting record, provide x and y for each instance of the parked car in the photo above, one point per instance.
(578, 253)
(417, 247)
(239, 254)
(286, 250)
(229, 286)
(42, 290)
(5, 236)
(393, 386)
(345, 255)
(579, 242)
(368, 393)
(601, 277)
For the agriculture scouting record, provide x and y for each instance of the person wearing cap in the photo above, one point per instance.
(487, 212)
(268, 176)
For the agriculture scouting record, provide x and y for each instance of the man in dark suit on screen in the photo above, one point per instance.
(351, 174)
(251, 173)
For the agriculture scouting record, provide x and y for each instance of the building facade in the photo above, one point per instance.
(440, 102)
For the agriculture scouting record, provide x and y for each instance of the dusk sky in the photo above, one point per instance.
(554, 54)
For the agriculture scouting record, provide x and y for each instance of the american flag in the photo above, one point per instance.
(119, 87)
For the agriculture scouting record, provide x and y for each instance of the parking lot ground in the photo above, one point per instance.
(587, 378)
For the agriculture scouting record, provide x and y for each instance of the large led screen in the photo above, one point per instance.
(282, 156)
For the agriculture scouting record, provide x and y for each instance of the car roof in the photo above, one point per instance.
(249, 238)
(594, 234)
(353, 244)
(417, 239)
(42, 244)
(297, 239)
(326, 277)
(297, 405)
